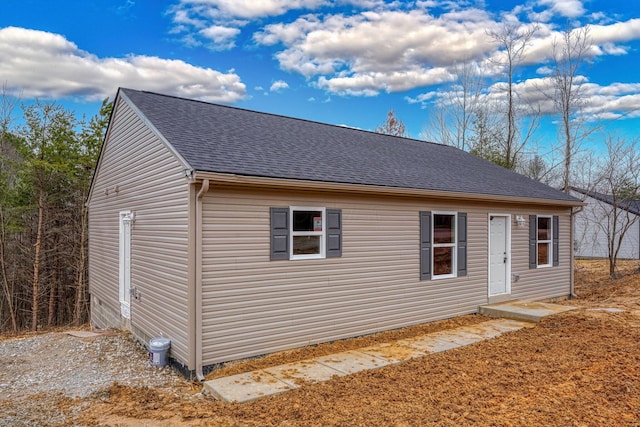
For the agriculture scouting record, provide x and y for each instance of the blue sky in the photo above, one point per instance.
(343, 62)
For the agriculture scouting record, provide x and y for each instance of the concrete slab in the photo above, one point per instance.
(351, 362)
(83, 334)
(307, 371)
(607, 309)
(486, 330)
(509, 325)
(461, 337)
(430, 344)
(393, 353)
(466, 335)
(246, 387)
(532, 311)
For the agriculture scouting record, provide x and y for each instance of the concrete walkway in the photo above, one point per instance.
(531, 311)
(278, 379)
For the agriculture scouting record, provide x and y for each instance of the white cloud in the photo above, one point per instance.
(222, 37)
(612, 49)
(225, 18)
(372, 83)
(46, 65)
(565, 8)
(619, 99)
(252, 9)
(544, 70)
(278, 86)
(423, 99)
(288, 33)
(385, 50)
(605, 40)
(615, 33)
(392, 49)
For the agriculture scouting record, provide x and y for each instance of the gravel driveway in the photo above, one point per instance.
(39, 370)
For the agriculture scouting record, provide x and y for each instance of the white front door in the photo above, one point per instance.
(125, 264)
(499, 253)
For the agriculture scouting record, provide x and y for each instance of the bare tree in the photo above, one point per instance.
(513, 40)
(392, 126)
(615, 197)
(570, 54)
(457, 108)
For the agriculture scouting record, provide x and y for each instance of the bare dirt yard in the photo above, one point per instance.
(580, 368)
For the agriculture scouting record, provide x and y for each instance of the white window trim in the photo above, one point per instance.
(454, 245)
(549, 242)
(322, 234)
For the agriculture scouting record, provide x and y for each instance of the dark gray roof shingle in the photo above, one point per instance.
(216, 138)
(632, 206)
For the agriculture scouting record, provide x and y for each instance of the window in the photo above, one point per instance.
(307, 233)
(444, 244)
(544, 246)
(544, 241)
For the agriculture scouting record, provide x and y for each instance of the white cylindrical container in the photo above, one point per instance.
(158, 349)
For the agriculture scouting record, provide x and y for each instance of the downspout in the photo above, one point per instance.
(572, 293)
(198, 293)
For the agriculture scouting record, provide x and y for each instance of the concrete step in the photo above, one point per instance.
(530, 311)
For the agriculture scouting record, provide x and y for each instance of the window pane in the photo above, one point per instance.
(544, 228)
(442, 261)
(443, 229)
(543, 253)
(306, 245)
(307, 220)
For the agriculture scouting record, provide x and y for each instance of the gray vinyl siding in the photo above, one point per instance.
(544, 282)
(253, 305)
(151, 183)
(590, 234)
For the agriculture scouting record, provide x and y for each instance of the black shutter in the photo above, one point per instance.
(462, 244)
(425, 245)
(334, 233)
(556, 241)
(533, 241)
(279, 233)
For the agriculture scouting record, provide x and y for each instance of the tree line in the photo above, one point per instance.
(47, 159)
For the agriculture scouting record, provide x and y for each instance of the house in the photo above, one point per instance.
(594, 225)
(236, 233)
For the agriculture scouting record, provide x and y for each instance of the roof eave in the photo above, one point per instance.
(282, 183)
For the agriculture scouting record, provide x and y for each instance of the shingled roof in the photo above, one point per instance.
(222, 139)
(632, 206)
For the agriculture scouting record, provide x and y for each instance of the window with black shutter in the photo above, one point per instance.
(443, 244)
(305, 233)
(544, 241)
